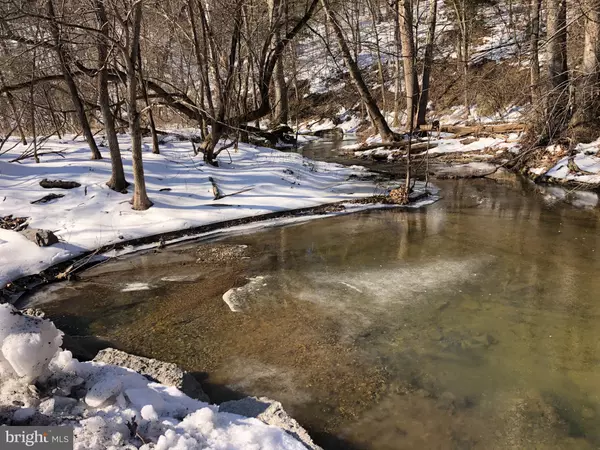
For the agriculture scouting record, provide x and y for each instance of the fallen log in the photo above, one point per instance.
(416, 146)
(59, 184)
(464, 130)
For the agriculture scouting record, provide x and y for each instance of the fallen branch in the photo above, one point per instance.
(47, 198)
(216, 191)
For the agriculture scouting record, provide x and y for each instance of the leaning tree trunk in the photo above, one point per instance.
(63, 58)
(378, 120)
(13, 107)
(140, 197)
(557, 99)
(587, 91)
(427, 63)
(117, 180)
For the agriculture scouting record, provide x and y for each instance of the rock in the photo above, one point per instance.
(166, 373)
(42, 238)
(270, 412)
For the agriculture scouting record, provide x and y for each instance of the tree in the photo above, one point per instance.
(427, 63)
(117, 180)
(534, 62)
(586, 108)
(557, 98)
(376, 116)
(65, 64)
(140, 197)
(411, 84)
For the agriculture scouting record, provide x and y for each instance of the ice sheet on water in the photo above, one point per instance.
(237, 298)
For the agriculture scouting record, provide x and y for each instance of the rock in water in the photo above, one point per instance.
(42, 238)
(270, 412)
(166, 373)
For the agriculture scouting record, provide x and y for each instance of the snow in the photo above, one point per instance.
(585, 159)
(116, 398)
(92, 215)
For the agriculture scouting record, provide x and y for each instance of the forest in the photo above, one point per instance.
(163, 165)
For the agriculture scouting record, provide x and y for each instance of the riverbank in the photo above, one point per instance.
(251, 183)
(446, 156)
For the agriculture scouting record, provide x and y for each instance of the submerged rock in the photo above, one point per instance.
(270, 412)
(166, 373)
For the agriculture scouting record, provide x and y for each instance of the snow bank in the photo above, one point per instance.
(178, 183)
(110, 407)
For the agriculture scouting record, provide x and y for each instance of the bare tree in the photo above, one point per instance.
(411, 84)
(557, 99)
(376, 116)
(427, 63)
(534, 61)
(65, 64)
(586, 108)
(117, 180)
(140, 197)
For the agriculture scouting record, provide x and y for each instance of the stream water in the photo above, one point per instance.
(471, 323)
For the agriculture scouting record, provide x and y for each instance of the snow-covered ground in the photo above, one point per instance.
(178, 183)
(111, 407)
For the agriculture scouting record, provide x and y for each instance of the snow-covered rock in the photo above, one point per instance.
(160, 371)
(270, 412)
(111, 407)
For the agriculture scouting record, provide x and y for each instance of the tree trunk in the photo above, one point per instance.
(587, 86)
(534, 39)
(557, 106)
(140, 197)
(117, 180)
(13, 107)
(382, 127)
(155, 145)
(63, 58)
(427, 63)
(281, 114)
(408, 56)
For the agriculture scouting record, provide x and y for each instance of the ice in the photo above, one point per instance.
(237, 298)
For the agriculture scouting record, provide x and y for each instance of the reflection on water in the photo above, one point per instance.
(473, 323)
